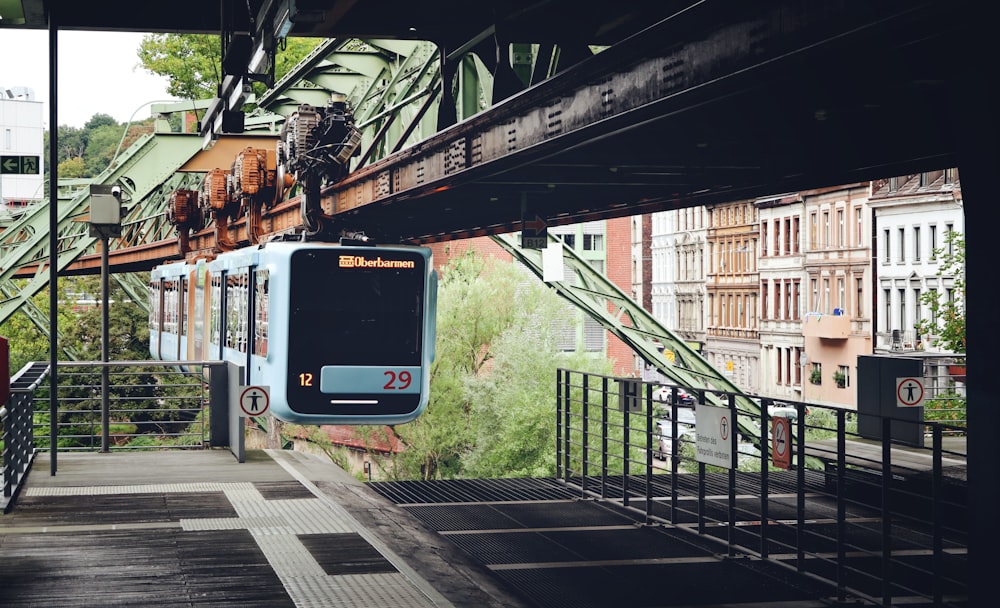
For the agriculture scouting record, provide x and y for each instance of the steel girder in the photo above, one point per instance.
(146, 172)
(596, 295)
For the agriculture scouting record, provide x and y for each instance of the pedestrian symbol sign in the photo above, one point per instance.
(254, 400)
(909, 392)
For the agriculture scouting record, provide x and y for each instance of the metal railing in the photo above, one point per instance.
(16, 441)
(150, 405)
(875, 519)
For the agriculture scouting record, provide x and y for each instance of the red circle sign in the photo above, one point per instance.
(254, 400)
(909, 392)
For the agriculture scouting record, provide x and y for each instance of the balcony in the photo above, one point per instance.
(833, 327)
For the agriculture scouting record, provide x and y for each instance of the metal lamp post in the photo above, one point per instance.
(105, 222)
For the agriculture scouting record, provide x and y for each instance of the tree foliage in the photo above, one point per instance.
(491, 411)
(946, 324)
(192, 63)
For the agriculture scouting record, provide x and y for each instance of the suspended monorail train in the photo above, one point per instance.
(340, 334)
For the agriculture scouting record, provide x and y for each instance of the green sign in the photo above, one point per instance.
(20, 165)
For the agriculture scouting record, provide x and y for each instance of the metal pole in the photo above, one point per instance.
(53, 244)
(105, 410)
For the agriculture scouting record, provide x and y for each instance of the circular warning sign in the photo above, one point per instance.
(254, 401)
(780, 439)
(909, 392)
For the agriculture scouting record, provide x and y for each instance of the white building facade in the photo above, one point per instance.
(782, 280)
(21, 148)
(913, 216)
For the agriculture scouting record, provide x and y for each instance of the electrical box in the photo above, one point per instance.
(105, 210)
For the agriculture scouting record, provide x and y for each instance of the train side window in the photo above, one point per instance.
(215, 310)
(237, 310)
(261, 301)
(154, 305)
(182, 307)
(170, 306)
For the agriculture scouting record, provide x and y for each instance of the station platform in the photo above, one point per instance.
(197, 528)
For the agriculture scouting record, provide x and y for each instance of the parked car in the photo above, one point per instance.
(780, 408)
(664, 394)
(663, 447)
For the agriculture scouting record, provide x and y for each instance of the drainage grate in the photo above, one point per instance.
(345, 554)
(473, 490)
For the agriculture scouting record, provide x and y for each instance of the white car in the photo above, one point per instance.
(784, 409)
(664, 430)
(664, 394)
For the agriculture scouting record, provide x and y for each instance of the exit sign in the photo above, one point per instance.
(20, 165)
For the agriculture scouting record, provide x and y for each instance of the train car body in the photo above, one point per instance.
(340, 334)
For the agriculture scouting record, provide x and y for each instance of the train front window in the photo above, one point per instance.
(357, 307)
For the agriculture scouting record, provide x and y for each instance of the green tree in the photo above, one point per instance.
(72, 168)
(946, 323)
(192, 63)
(102, 142)
(490, 411)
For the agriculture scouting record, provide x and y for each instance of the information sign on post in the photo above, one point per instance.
(713, 427)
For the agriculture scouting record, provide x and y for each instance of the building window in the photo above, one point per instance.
(888, 308)
(787, 313)
(826, 296)
(816, 373)
(789, 249)
(796, 298)
(948, 229)
(763, 236)
(885, 246)
(795, 234)
(593, 242)
(826, 229)
(841, 294)
(813, 226)
(764, 295)
(917, 308)
(843, 376)
(814, 304)
(841, 228)
(860, 302)
(902, 244)
(859, 236)
(902, 310)
(933, 242)
(916, 243)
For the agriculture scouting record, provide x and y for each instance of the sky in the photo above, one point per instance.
(98, 73)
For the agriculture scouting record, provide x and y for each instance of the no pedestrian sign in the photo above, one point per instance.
(781, 449)
(254, 400)
(909, 392)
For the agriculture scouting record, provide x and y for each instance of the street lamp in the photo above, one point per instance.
(105, 222)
